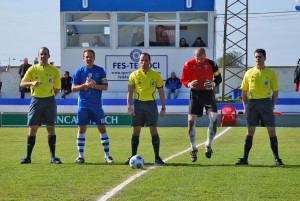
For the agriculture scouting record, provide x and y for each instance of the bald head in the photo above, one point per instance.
(199, 51)
(199, 55)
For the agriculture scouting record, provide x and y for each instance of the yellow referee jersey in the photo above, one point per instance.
(259, 83)
(47, 75)
(145, 84)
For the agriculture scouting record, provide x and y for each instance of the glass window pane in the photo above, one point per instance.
(131, 35)
(194, 17)
(131, 17)
(162, 35)
(193, 31)
(87, 17)
(88, 36)
(162, 17)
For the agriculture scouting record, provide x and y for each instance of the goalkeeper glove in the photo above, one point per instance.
(193, 84)
(209, 85)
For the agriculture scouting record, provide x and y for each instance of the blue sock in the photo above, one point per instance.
(80, 144)
(105, 143)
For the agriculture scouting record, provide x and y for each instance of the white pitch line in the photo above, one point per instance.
(115, 190)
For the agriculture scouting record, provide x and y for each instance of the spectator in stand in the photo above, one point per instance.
(173, 85)
(199, 43)
(73, 36)
(97, 42)
(3, 69)
(162, 37)
(182, 43)
(297, 76)
(66, 84)
(22, 70)
(36, 61)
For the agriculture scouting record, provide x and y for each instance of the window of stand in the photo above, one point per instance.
(88, 29)
(137, 29)
(162, 29)
(131, 29)
(193, 29)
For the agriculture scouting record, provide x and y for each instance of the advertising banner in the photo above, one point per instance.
(119, 67)
(19, 119)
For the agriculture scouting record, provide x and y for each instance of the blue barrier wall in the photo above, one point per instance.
(284, 105)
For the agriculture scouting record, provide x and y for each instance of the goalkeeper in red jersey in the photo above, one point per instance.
(201, 75)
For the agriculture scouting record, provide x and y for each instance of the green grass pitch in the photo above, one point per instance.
(180, 179)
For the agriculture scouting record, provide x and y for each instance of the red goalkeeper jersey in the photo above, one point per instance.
(202, 73)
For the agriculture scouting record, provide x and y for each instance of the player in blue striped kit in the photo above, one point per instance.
(90, 80)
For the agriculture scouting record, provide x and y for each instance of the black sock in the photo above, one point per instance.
(30, 145)
(52, 144)
(247, 146)
(135, 140)
(274, 146)
(155, 143)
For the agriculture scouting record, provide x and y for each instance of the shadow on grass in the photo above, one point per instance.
(231, 165)
(189, 165)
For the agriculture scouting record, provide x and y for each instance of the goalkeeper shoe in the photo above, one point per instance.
(25, 160)
(208, 152)
(193, 155)
(55, 160)
(242, 161)
(278, 161)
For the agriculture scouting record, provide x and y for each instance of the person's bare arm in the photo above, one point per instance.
(162, 98)
(244, 100)
(274, 98)
(129, 100)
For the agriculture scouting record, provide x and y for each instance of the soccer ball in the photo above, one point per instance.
(136, 162)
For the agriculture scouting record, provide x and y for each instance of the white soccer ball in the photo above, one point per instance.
(136, 162)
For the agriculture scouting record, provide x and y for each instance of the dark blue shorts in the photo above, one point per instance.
(200, 99)
(86, 116)
(260, 110)
(42, 110)
(146, 113)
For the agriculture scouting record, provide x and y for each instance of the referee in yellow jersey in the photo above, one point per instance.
(143, 84)
(259, 103)
(44, 82)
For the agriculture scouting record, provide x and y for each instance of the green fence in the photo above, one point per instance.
(18, 119)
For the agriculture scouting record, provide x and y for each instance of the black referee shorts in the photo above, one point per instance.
(260, 109)
(146, 113)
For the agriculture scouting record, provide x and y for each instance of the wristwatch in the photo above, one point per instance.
(163, 108)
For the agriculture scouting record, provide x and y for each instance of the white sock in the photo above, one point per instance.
(210, 130)
(105, 143)
(193, 137)
(210, 136)
(80, 144)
